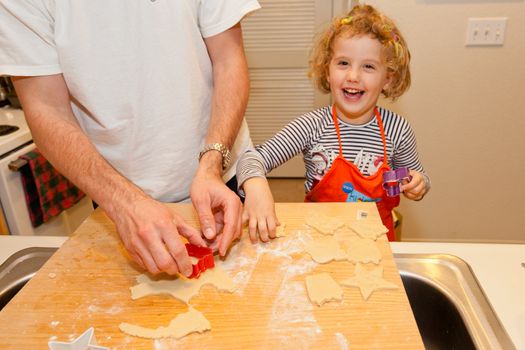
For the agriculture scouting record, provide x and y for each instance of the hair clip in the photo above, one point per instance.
(397, 49)
(346, 20)
(395, 37)
(396, 43)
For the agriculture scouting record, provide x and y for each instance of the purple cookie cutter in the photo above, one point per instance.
(392, 181)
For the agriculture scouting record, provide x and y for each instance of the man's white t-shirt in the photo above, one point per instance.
(139, 76)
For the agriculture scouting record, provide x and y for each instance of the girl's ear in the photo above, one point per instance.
(388, 81)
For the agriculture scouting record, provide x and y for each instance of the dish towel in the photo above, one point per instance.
(47, 192)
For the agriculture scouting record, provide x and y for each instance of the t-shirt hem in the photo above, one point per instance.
(230, 22)
(27, 71)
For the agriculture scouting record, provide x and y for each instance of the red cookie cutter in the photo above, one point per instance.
(205, 256)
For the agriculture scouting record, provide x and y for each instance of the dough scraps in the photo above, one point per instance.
(183, 324)
(182, 288)
(323, 288)
(327, 225)
(280, 230)
(325, 249)
(361, 250)
(368, 281)
(370, 229)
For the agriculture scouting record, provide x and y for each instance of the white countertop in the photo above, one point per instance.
(11, 244)
(496, 266)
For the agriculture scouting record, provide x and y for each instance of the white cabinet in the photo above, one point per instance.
(278, 39)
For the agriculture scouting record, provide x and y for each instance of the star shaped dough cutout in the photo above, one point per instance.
(368, 281)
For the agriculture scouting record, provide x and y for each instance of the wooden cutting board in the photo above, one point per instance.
(87, 284)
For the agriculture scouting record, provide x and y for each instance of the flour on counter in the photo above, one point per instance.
(239, 263)
(111, 311)
(342, 341)
(291, 306)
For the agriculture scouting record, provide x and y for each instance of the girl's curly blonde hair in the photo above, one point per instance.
(363, 20)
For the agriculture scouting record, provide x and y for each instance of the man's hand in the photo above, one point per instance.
(151, 233)
(219, 209)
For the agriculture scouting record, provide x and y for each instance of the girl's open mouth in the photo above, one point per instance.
(353, 93)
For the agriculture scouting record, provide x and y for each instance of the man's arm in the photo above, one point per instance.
(148, 229)
(216, 205)
(230, 85)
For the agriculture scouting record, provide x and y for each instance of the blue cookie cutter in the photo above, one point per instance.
(393, 179)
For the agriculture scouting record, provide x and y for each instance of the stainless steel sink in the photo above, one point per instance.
(450, 308)
(20, 268)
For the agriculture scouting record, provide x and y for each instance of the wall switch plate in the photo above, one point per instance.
(487, 31)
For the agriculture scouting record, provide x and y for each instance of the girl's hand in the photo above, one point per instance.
(416, 188)
(259, 210)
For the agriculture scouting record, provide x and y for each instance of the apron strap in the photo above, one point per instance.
(383, 137)
(379, 122)
(336, 123)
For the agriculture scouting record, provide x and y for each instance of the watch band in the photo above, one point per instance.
(222, 149)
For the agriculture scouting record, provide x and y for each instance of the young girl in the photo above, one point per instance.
(346, 147)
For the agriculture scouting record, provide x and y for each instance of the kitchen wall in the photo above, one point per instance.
(467, 107)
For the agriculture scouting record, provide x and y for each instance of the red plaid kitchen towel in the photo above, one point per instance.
(47, 192)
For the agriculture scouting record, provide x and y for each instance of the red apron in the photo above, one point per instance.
(343, 182)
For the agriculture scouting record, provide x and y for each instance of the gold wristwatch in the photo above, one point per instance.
(223, 150)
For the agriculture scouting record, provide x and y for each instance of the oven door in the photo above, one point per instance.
(15, 210)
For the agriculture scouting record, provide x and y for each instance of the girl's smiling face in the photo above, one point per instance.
(357, 74)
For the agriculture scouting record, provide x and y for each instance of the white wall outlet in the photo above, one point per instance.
(487, 31)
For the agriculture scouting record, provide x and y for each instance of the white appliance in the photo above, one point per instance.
(16, 220)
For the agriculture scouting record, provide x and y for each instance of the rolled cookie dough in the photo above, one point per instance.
(184, 324)
(280, 230)
(182, 288)
(361, 250)
(323, 288)
(327, 225)
(370, 229)
(325, 249)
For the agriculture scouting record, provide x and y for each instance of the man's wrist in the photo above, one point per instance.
(218, 147)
